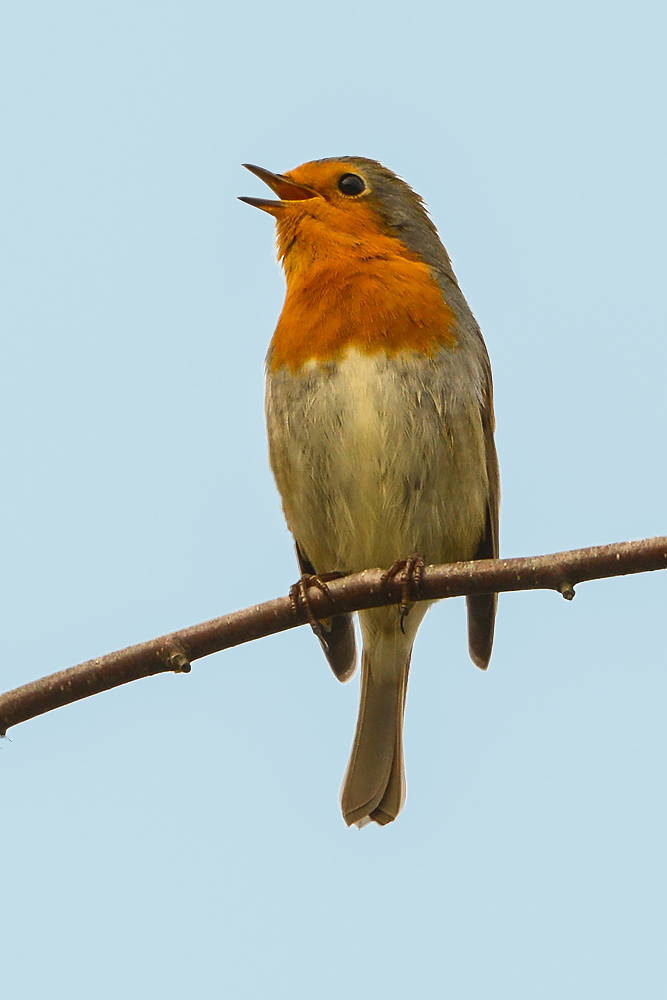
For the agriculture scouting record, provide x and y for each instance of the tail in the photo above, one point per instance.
(374, 784)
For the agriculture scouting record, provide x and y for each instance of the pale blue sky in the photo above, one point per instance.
(181, 836)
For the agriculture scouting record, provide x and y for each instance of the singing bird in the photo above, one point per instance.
(380, 423)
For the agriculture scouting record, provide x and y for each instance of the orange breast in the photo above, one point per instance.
(366, 296)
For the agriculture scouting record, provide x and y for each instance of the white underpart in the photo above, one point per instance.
(376, 458)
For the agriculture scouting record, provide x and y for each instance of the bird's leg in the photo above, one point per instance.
(412, 570)
(299, 598)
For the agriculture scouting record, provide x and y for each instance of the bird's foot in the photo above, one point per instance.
(412, 570)
(299, 599)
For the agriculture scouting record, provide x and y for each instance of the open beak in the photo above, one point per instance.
(286, 190)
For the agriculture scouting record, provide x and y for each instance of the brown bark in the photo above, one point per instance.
(175, 651)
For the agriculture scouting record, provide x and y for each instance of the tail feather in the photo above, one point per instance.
(394, 794)
(374, 785)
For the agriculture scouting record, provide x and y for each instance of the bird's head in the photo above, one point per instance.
(346, 202)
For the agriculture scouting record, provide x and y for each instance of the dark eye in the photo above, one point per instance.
(351, 184)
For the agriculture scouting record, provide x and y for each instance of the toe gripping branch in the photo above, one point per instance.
(412, 570)
(299, 599)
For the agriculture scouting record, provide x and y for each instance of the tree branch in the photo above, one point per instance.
(175, 651)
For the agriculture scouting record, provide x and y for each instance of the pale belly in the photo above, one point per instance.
(377, 458)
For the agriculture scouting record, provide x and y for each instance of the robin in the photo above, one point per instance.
(380, 423)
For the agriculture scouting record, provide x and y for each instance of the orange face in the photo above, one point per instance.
(351, 282)
(337, 196)
(345, 214)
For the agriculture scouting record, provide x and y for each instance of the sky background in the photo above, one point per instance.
(181, 836)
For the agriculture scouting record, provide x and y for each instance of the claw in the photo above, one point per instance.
(412, 569)
(299, 599)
